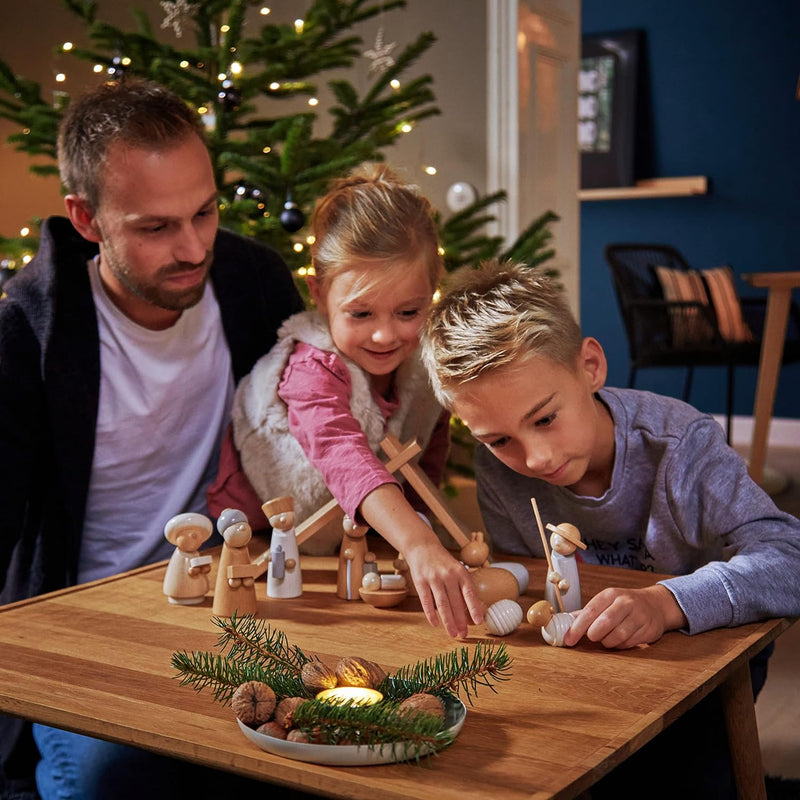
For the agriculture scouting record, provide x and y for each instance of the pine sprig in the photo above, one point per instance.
(222, 675)
(252, 642)
(452, 672)
(372, 725)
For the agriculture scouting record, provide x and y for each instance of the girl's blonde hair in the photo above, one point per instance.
(496, 317)
(372, 215)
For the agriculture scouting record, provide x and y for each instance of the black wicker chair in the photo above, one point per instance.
(651, 321)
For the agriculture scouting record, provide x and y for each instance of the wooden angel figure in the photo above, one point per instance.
(352, 557)
(234, 594)
(562, 577)
(554, 626)
(284, 578)
(186, 578)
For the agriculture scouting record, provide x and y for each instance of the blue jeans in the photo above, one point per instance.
(75, 767)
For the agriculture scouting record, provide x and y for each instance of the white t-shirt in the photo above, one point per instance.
(165, 399)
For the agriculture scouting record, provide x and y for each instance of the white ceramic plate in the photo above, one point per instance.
(352, 755)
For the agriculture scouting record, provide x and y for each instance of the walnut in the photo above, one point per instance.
(316, 676)
(253, 702)
(284, 712)
(423, 702)
(272, 728)
(355, 671)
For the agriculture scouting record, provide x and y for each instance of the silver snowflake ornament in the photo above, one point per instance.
(175, 11)
(380, 54)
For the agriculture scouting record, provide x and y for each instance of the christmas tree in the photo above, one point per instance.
(254, 83)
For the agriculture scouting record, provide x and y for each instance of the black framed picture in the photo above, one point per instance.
(607, 103)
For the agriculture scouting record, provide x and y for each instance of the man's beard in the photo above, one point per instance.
(153, 291)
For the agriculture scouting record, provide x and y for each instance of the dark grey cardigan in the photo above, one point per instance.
(49, 387)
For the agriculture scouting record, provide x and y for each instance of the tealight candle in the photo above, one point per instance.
(355, 695)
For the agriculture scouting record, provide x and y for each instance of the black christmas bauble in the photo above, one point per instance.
(292, 218)
(117, 69)
(229, 96)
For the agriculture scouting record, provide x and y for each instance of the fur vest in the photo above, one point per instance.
(274, 461)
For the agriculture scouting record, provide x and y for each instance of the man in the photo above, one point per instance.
(120, 344)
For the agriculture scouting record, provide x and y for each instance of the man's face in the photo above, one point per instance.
(156, 224)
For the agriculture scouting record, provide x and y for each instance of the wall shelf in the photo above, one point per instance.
(651, 187)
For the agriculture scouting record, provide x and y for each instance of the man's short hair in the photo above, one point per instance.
(135, 112)
(495, 317)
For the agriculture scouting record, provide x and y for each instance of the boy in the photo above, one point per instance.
(648, 480)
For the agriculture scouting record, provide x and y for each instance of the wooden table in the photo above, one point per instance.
(779, 297)
(96, 659)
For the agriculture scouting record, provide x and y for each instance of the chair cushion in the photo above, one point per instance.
(689, 325)
(727, 307)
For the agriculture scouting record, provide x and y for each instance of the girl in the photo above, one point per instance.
(309, 419)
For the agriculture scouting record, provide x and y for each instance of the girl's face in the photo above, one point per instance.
(378, 328)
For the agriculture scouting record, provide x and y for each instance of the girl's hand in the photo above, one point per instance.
(445, 588)
(624, 618)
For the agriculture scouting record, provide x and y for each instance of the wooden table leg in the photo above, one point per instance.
(778, 302)
(740, 720)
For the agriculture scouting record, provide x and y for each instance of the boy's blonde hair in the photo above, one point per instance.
(373, 215)
(495, 317)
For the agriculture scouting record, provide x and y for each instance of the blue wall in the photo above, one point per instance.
(721, 77)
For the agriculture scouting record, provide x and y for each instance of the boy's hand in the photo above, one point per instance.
(445, 588)
(623, 618)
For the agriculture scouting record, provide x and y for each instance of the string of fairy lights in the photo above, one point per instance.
(176, 13)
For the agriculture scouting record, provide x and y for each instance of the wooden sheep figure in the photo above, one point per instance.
(492, 583)
(553, 626)
(234, 594)
(186, 578)
(562, 577)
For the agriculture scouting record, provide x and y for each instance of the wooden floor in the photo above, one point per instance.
(778, 705)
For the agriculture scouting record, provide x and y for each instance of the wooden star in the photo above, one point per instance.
(380, 54)
(175, 11)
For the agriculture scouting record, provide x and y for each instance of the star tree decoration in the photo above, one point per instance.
(380, 54)
(175, 11)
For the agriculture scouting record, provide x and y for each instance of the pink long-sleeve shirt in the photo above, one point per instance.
(316, 388)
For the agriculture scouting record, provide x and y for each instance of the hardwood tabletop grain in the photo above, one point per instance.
(97, 659)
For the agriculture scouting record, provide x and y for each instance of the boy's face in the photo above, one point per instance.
(542, 420)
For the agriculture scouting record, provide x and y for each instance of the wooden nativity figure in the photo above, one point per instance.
(234, 594)
(353, 554)
(492, 583)
(562, 577)
(284, 578)
(186, 578)
(553, 625)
